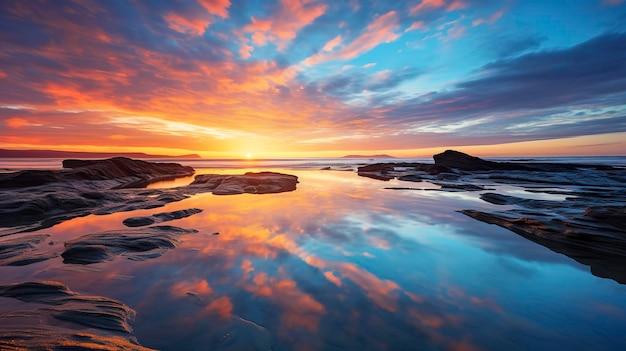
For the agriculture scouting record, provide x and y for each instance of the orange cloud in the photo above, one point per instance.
(427, 4)
(381, 30)
(222, 306)
(216, 7)
(284, 24)
(16, 122)
(197, 286)
(184, 25)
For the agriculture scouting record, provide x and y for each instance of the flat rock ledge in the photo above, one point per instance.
(91, 322)
(586, 221)
(160, 217)
(104, 187)
(127, 173)
(135, 244)
(249, 183)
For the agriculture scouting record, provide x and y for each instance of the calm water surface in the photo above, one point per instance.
(344, 264)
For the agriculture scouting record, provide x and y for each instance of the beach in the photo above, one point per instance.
(343, 261)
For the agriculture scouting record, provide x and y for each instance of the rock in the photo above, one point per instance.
(601, 248)
(28, 178)
(130, 173)
(37, 207)
(160, 217)
(138, 221)
(135, 244)
(23, 250)
(465, 162)
(251, 183)
(122, 167)
(613, 215)
(108, 321)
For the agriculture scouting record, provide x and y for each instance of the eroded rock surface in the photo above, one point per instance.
(160, 217)
(250, 183)
(135, 244)
(92, 322)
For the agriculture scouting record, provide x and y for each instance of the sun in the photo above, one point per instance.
(248, 155)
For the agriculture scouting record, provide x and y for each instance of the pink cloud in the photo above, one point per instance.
(186, 25)
(435, 4)
(427, 4)
(381, 30)
(415, 26)
(285, 23)
(490, 20)
(216, 7)
(332, 44)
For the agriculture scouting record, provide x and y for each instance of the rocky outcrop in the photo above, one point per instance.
(122, 167)
(135, 244)
(160, 217)
(128, 172)
(602, 248)
(461, 161)
(250, 183)
(90, 322)
(32, 200)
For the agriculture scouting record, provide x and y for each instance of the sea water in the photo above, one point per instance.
(342, 264)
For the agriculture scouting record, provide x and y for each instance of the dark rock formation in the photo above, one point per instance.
(160, 217)
(135, 244)
(37, 207)
(251, 183)
(601, 247)
(465, 162)
(107, 320)
(122, 167)
(23, 250)
(129, 173)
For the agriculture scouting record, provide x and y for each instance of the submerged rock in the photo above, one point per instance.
(160, 217)
(250, 183)
(23, 250)
(107, 320)
(603, 248)
(135, 244)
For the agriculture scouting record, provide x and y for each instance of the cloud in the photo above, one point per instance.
(285, 22)
(216, 7)
(588, 76)
(489, 20)
(381, 30)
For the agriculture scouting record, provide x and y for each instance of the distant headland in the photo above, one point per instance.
(4, 153)
(368, 156)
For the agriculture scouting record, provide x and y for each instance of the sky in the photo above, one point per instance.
(314, 78)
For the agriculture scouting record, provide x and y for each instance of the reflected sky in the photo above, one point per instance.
(342, 263)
